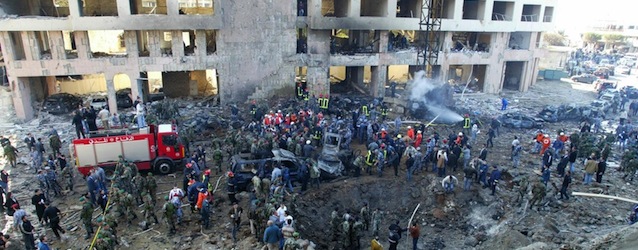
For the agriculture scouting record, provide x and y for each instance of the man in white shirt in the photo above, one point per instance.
(104, 118)
(141, 121)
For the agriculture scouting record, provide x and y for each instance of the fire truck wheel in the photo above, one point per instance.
(164, 166)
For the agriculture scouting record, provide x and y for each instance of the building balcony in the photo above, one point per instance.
(132, 22)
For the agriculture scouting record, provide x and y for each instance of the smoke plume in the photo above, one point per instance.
(434, 96)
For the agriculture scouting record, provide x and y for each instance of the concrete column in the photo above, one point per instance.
(56, 41)
(82, 44)
(447, 42)
(177, 43)
(384, 39)
(379, 78)
(172, 8)
(314, 8)
(318, 80)
(130, 40)
(75, 9)
(217, 7)
(200, 43)
(392, 8)
(123, 7)
(110, 92)
(355, 8)
(30, 45)
(6, 46)
(154, 43)
(458, 9)
(21, 95)
(518, 11)
(319, 42)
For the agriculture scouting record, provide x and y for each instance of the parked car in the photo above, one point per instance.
(602, 72)
(602, 85)
(61, 103)
(123, 98)
(246, 168)
(518, 120)
(584, 78)
(600, 106)
(622, 69)
(98, 102)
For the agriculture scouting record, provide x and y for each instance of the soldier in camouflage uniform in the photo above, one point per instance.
(376, 221)
(170, 213)
(346, 234)
(87, 215)
(117, 199)
(130, 207)
(293, 243)
(55, 143)
(334, 223)
(125, 180)
(358, 229)
(364, 214)
(139, 185)
(217, 159)
(149, 208)
(11, 153)
(68, 175)
(538, 193)
(111, 220)
(151, 187)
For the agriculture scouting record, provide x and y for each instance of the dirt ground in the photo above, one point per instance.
(463, 220)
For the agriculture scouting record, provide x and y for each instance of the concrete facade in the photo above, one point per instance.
(250, 44)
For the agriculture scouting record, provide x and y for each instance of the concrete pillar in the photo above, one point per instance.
(217, 7)
(379, 78)
(110, 92)
(31, 46)
(447, 42)
(355, 8)
(6, 46)
(21, 95)
(200, 43)
(82, 44)
(177, 43)
(384, 39)
(154, 43)
(318, 80)
(130, 40)
(319, 42)
(487, 11)
(123, 7)
(75, 8)
(392, 9)
(458, 9)
(172, 8)
(314, 8)
(56, 41)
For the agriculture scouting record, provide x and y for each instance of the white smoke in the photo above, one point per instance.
(419, 88)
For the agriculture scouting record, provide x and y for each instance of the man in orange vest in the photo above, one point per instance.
(419, 139)
(410, 132)
(538, 140)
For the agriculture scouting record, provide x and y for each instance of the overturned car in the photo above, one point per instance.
(333, 161)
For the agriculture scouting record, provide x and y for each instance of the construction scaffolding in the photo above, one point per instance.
(428, 51)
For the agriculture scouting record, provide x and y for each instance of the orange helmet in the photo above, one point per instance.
(207, 172)
(231, 174)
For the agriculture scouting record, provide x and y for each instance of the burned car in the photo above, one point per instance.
(245, 168)
(332, 158)
(61, 103)
(569, 112)
(518, 120)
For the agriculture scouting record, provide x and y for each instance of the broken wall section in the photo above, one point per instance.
(258, 56)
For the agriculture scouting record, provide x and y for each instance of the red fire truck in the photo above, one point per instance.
(155, 148)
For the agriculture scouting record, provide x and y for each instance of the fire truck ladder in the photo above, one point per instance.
(428, 51)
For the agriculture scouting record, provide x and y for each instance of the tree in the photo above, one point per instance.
(591, 37)
(554, 39)
(613, 38)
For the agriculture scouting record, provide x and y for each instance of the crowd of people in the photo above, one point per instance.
(450, 153)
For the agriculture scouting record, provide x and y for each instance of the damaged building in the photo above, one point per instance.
(253, 49)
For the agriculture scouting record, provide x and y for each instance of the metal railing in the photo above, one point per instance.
(500, 17)
(529, 18)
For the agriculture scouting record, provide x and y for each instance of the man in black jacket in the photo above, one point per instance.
(602, 166)
(52, 217)
(395, 235)
(77, 121)
(38, 200)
